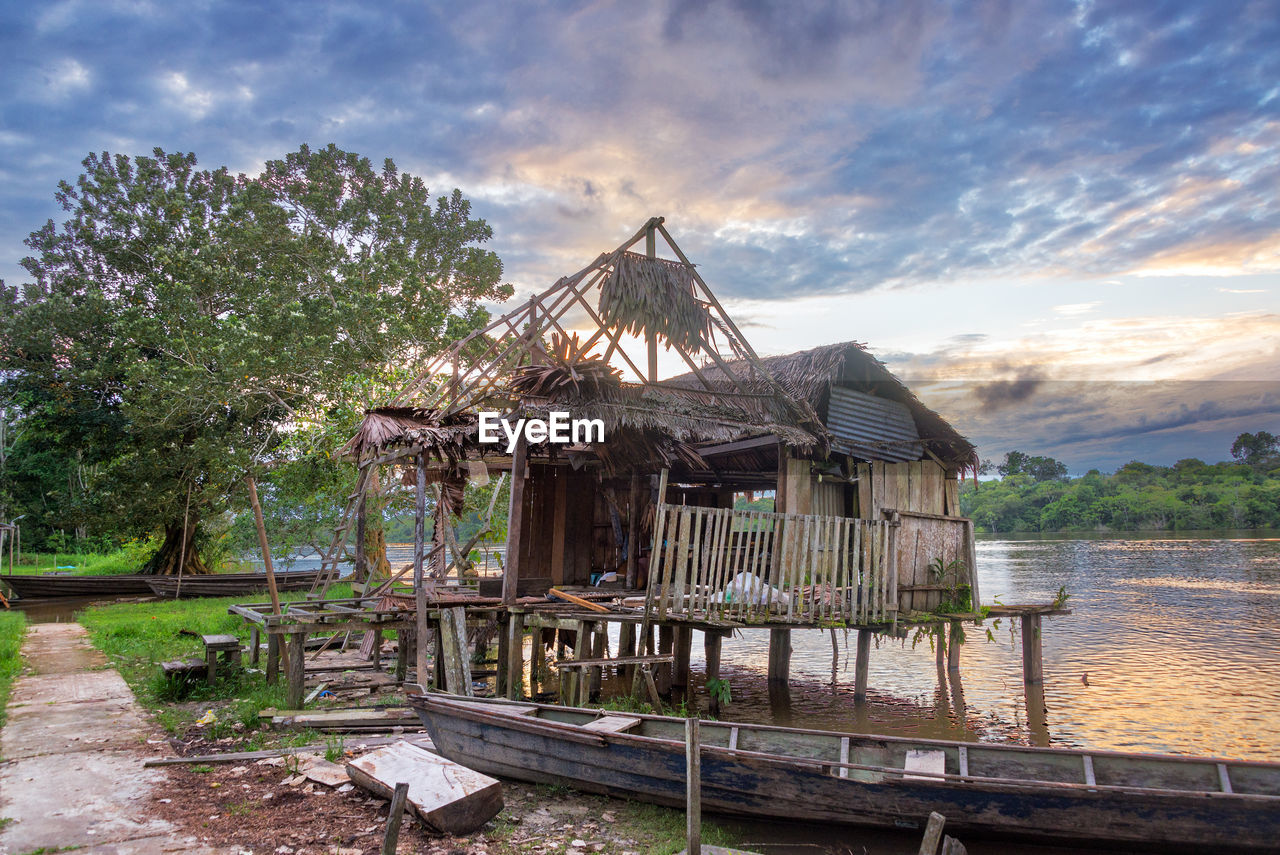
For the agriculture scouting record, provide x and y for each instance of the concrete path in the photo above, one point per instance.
(73, 748)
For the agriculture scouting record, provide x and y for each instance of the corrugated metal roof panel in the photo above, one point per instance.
(873, 428)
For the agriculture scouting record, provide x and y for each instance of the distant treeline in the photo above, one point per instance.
(1035, 494)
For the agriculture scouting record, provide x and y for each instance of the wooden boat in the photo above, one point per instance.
(229, 584)
(1152, 801)
(54, 585)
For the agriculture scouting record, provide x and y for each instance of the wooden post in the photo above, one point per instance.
(515, 521)
(273, 657)
(501, 688)
(779, 655)
(626, 646)
(515, 656)
(683, 648)
(599, 635)
(419, 583)
(255, 642)
(953, 648)
(362, 562)
(262, 542)
(394, 818)
(932, 834)
(437, 659)
(402, 653)
(538, 663)
(693, 789)
(861, 668)
(651, 250)
(1032, 654)
(711, 640)
(666, 637)
(633, 534)
(375, 650)
(295, 654)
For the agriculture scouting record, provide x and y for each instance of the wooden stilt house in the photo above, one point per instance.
(865, 525)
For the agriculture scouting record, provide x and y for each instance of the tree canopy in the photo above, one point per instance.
(181, 323)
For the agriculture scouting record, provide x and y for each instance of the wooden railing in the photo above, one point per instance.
(740, 565)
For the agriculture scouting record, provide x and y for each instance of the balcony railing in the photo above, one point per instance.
(716, 563)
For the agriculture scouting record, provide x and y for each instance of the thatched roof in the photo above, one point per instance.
(810, 374)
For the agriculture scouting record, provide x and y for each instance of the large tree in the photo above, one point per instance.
(191, 316)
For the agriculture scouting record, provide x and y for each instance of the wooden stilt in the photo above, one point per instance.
(515, 521)
(503, 639)
(599, 635)
(953, 648)
(515, 657)
(538, 664)
(375, 655)
(295, 656)
(437, 656)
(779, 655)
(419, 583)
(683, 646)
(862, 667)
(273, 658)
(666, 639)
(711, 641)
(627, 647)
(255, 641)
(577, 680)
(402, 654)
(1032, 654)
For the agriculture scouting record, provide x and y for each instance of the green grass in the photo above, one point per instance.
(13, 625)
(137, 637)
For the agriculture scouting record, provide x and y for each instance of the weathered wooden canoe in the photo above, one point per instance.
(1161, 802)
(229, 584)
(33, 587)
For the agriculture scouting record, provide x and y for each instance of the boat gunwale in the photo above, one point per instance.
(576, 734)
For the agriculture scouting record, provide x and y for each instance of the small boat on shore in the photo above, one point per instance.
(228, 584)
(1161, 802)
(31, 587)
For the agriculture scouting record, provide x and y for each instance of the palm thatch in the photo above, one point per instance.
(643, 295)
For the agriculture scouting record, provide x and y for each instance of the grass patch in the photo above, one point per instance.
(137, 637)
(127, 559)
(13, 626)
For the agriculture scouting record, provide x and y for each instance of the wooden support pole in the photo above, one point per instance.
(693, 789)
(437, 658)
(501, 689)
(262, 542)
(683, 649)
(515, 521)
(537, 664)
(255, 642)
(403, 644)
(861, 668)
(375, 650)
(273, 658)
(392, 837)
(419, 582)
(515, 657)
(1032, 652)
(295, 654)
(599, 635)
(953, 648)
(362, 562)
(666, 638)
(932, 834)
(633, 532)
(711, 642)
(651, 250)
(779, 655)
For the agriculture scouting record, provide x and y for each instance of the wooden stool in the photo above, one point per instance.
(225, 646)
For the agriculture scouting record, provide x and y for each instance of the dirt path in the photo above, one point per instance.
(73, 749)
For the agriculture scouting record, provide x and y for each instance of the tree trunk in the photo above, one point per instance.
(375, 548)
(166, 561)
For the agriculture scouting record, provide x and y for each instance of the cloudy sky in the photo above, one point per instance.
(1062, 220)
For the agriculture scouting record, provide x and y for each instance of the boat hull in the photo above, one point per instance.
(36, 587)
(229, 584)
(759, 786)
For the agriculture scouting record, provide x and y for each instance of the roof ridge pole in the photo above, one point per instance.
(651, 251)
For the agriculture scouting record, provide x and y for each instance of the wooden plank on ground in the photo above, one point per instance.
(445, 796)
